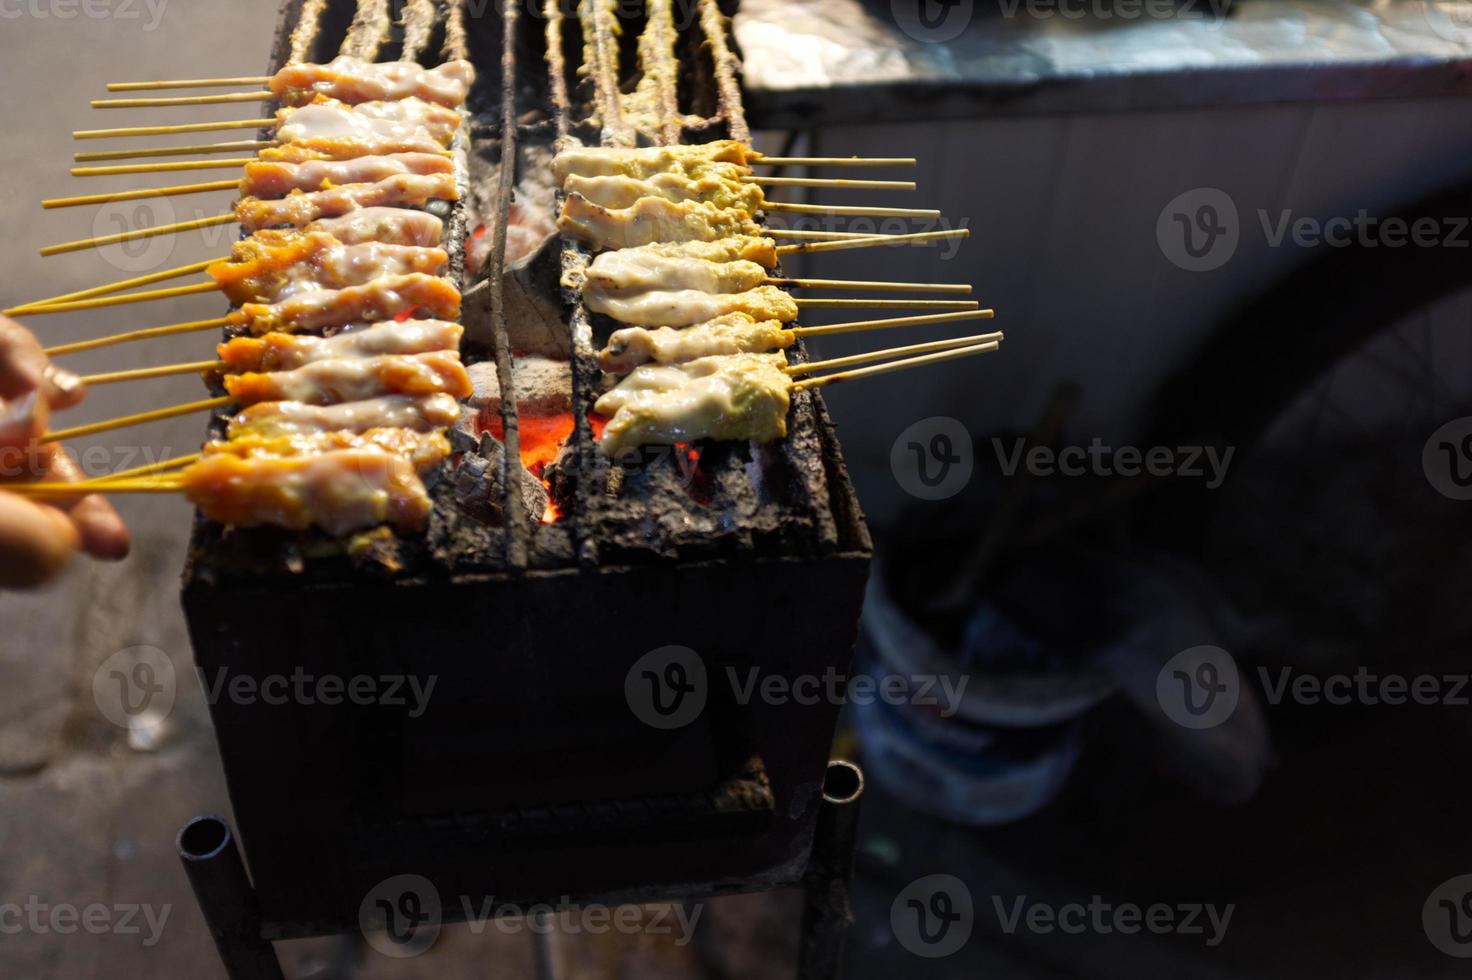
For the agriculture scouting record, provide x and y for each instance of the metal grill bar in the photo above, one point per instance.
(457, 46)
(517, 518)
(419, 19)
(369, 30)
(728, 87)
(308, 24)
(661, 69)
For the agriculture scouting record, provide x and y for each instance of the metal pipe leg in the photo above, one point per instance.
(225, 896)
(826, 913)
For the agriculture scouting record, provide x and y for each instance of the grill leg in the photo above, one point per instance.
(826, 913)
(212, 862)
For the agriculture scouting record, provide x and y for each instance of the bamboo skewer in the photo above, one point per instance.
(130, 235)
(900, 365)
(159, 168)
(896, 321)
(99, 302)
(926, 304)
(124, 421)
(88, 488)
(830, 161)
(141, 193)
(209, 127)
(112, 287)
(871, 285)
(143, 374)
(187, 83)
(265, 96)
(822, 236)
(173, 151)
(147, 333)
(879, 355)
(845, 210)
(161, 466)
(869, 241)
(872, 185)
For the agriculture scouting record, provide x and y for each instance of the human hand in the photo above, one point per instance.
(37, 539)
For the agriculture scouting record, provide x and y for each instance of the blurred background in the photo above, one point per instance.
(1191, 551)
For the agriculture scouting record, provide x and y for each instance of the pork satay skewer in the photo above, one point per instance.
(277, 179)
(733, 333)
(340, 490)
(402, 191)
(725, 397)
(346, 79)
(287, 352)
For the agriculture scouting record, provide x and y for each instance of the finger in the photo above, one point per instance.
(103, 533)
(24, 368)
(23, 419)
(35, 542)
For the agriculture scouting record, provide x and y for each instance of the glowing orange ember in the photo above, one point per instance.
(542, 437)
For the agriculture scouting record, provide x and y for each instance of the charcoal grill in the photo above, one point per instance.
(528, 777)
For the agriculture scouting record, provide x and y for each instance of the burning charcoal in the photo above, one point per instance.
(478, 484)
